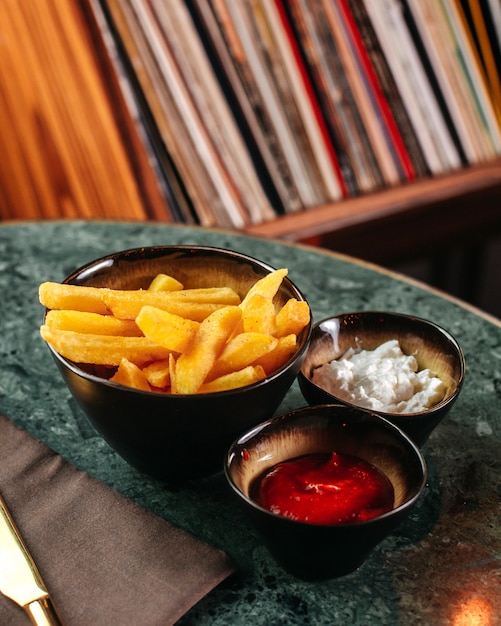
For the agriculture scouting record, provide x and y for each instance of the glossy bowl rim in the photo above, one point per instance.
(86, 267)
(324, 407)
(420, 320)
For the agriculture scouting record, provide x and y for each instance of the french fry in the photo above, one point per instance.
(193, 366)
(217, 295)
(241, 351)
(171, 331)
(281, 353)
(164, 282)
(259, 315)
(158, 373)
(130, 375)
(72, 297)
(91, 323)
(102, 349)
(128, 304)
(233, 380)
(172, 372)
(266, 286)
(93, 299)
(292, 317)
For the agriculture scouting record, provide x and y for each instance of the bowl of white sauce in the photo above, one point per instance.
(408, 369)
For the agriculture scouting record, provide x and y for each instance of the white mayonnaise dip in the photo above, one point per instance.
(384, 379)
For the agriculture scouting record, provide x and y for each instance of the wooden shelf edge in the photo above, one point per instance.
(397, 201)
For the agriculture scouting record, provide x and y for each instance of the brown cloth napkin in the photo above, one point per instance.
(105, 560)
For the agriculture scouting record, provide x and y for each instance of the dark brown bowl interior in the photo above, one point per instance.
(177, 437)
(313, 551)
(433, 347)
(194, 266)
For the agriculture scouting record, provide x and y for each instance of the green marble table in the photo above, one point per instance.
(443, 566)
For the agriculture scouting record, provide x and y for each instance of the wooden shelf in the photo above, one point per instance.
(420, 218)
(70, 146)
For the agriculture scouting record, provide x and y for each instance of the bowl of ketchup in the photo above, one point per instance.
(324, 485)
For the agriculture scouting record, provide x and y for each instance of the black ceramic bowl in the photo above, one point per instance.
(318, 551)
(434, 348)
(177, 437)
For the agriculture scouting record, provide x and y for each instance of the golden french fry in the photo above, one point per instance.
(158, 373)
(130, 375)
(266, 286)
(259, 315)
(92, 323)
(215, 295)
(241, 351)
(72, 297)
(282, 352)
(247, 376)
(193, 366)
(171, 331)
(128, 304)
(164, 282)
(103, 349)
(92, 299)
(172, 372)
(292, 317)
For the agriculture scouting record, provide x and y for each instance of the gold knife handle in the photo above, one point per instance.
(43, 613)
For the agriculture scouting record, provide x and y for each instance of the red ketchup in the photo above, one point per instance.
(325, 489)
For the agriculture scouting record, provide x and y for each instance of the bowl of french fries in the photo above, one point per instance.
(173, 351)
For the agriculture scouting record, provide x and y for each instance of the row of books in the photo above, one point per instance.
(252, 109)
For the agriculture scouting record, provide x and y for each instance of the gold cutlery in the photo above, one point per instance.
(20, 579)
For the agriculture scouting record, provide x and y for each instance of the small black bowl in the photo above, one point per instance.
(434, 348)
(317, 551)
(177, 437)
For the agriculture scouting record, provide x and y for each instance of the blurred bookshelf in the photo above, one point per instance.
(472, 276)
(370, 127)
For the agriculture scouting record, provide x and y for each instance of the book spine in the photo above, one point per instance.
(338, 93)
(399, 47)
(307, 47)
(332, 167)
(381, 106)
(389, 88)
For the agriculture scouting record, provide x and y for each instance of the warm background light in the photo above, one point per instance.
(474, 612)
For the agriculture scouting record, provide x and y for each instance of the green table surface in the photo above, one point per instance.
(442, 566)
